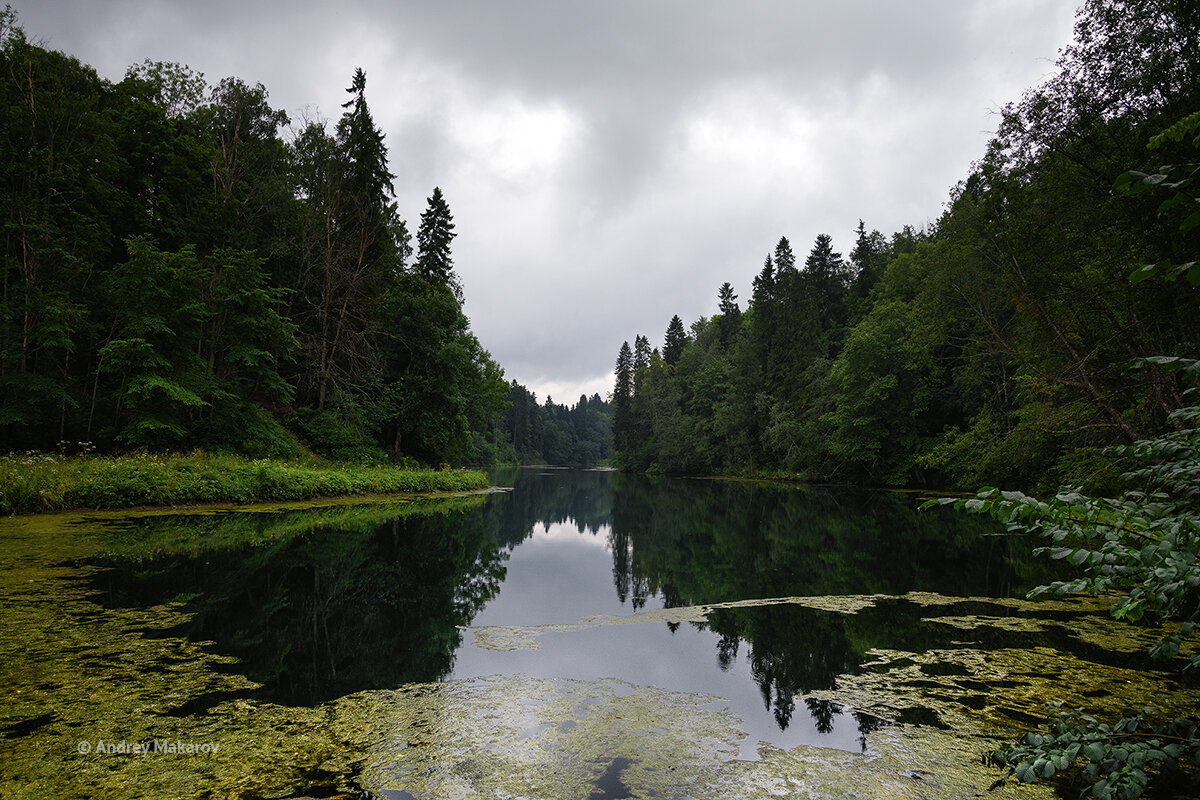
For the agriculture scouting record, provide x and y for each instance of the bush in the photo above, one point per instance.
(1145, 545)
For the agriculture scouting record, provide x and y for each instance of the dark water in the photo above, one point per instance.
(374, 602)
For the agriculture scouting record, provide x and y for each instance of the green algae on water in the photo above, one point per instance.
(518, 737)
(525, 637)
(77, 673)
(90, 690)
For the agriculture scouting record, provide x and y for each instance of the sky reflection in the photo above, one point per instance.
(559, 576)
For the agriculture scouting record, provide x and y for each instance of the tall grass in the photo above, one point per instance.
(33, 482)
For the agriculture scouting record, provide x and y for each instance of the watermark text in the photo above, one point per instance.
(150, 748)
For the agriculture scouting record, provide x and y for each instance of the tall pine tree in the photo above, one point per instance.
(622, 401)
(675, 341)
(434, 262)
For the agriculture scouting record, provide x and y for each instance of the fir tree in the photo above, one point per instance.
(641, 356)
(622, 400)
(731, 315)
(434, 262)
(675, 341)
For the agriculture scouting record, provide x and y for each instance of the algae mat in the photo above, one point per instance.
(103, 702)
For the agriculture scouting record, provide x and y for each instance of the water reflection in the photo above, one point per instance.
(581, 635)
(696, 541)
(675, 543)
(318, 605)
(691, 543)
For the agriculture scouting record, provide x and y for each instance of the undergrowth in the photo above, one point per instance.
(34, 482)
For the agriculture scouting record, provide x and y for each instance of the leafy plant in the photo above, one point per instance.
(1144, 544)
(1118, 759)
(1177, 179)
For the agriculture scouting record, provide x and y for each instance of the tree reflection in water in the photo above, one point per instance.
(352, 601)
(317, 604)
(702, 542)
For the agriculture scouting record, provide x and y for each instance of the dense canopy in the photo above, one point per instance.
(999, 343)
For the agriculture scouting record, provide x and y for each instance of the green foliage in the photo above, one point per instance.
(440, 387)
(434, 262)
(159, 314)
(1183, 202)
(676, 339)
(623, 401)
(1118, 760)
(992, 346)
(176, 274)
(176, 88)
(34, 482)
(880, 395)
(248, 429)
(1144, 544)
(249, 336)
(551, 433)
(339, 434)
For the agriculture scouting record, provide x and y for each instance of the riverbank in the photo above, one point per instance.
(36, 482)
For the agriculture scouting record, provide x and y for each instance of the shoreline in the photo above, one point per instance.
(42, 483)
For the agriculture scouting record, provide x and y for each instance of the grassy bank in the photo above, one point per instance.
(44, 482)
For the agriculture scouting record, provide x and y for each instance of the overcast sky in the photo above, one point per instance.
(610, 164)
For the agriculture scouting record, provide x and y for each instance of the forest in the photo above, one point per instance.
(177, 274)
(1009, 342)
(185, 267)
(551, 433)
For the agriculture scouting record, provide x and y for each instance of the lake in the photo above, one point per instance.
(571, 634)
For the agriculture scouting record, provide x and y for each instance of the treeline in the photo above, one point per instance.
(1005, 343)
(177, 274)
(550, 433)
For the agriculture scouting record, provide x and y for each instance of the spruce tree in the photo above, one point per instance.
(366, 172)
(675, 341)
(764, 285)
(348, 253)
(867, 260)
(785, 259)
(825, 282)
(434, 262)
(641, 357)
(623, 400)
(731, 315)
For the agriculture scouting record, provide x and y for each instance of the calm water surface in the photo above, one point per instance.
(759, 603)
(401, 601)
(592, 551)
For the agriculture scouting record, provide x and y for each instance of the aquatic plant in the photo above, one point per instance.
(1144, 545)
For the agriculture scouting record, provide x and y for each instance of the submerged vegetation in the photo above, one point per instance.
(39, 482)
(1145, 545)
(83, 662)
(306, 648)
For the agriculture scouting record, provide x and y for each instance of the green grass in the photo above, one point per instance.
(34, 482)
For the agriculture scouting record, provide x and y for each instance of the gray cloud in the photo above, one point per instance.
(611, 164)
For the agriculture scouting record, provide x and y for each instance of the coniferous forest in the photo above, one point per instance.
(1009, 342)
(177, 274)
(186, 267)
(226, 300)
